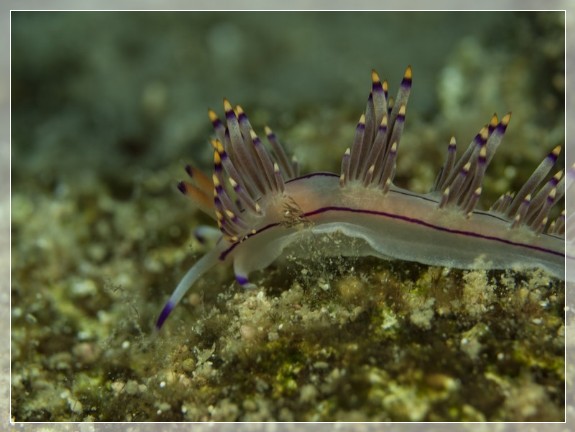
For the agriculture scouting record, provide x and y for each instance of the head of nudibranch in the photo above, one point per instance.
(262, 205)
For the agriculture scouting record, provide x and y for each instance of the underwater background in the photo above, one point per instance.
(108, 107)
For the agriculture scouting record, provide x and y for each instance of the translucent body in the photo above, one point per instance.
(314, 210)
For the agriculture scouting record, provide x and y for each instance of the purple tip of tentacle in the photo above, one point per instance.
(501, 127)
(406, 81)
(216, 122)
(242, 280)
(218, 203)
(482, 160)
(482, 139)
(553, 156)
(182, 187)
(224, 155)
(168, 308)
(550, 199)
(189, 170)
(477, 140)
(218, 166)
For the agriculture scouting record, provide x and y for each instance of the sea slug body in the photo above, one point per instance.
(262, 205)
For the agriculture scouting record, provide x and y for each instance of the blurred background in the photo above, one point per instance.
(109, 93)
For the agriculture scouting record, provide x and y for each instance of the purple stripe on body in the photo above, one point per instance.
(435, 227)
(401, 192)
(419, 222)
(316, 174)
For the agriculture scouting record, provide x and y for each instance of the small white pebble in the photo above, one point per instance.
(126, 344)
(162, 384)
(537, 321)
(464, 341)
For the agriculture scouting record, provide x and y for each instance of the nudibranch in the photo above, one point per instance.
(262, 205)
